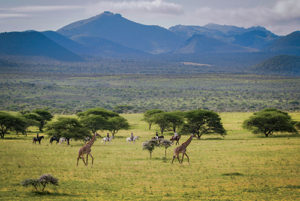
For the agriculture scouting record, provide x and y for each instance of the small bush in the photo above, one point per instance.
(150, 145)
(31, 182)
(166, 144)
(41, 183)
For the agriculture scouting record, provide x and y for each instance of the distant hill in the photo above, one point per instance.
(257, 38)
(33, 43)
(65, 42)
(92, 46)
(186, 31)
(226, 29)
(113, 27)
(253, 37)
(204, 44)
(289, 44)
(282, 64)
(116, 40)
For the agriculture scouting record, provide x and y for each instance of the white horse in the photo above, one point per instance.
(86, 139)
(106, 139)
(132, 140)
(62, 140)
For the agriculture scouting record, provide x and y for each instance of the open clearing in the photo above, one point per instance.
(242, 166)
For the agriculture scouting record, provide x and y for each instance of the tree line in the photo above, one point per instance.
(267, 121)
(78, 128)
(199, 122)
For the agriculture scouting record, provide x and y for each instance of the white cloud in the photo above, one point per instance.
(288, 9)
(283, 17)
(154, 6)
(11, 15)
(43, 8)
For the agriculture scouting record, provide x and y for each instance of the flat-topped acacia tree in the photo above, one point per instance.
(149, 116)
(41, 116)
(201, 122)
(269, 121)
(68, 128)
(101, 119)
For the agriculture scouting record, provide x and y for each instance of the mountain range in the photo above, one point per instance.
(110, 35)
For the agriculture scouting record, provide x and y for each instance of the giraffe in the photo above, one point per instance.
(86, 149)
(182, 149)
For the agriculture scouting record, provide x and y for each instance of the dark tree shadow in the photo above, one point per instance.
(233, 174)
(283, 135)
(54, 194)
(213, 138)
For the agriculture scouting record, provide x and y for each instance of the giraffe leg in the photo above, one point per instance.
(87, 155)
(92, 158)
(80, 157)
(182, 157)
(78, 160)
(178, 158)
(187, 157)
(83, 160)
(173, 158)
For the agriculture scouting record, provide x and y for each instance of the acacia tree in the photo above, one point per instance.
(201, 122)
(268, 121)
(117, 123)
(149, 116)
(162, 121)
(100, 119)
(45, 117)
(68, 128)
(175, 119)
(106, 114)
(297, 125)
(40, 115)
(17, 123)
(6, 123)
(94, 122)
(21, 124)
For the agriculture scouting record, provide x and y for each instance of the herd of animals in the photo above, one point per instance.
(86, 149)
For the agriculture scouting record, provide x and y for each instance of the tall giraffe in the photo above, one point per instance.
(86, 149)
(182, 149)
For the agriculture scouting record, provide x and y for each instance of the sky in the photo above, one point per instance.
(279, 16)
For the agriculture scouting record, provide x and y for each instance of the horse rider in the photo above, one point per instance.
(131, 136)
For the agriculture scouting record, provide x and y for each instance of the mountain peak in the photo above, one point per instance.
(115, 28)
(108, 14)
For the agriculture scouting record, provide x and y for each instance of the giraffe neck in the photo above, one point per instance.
(91, 142)
(185, 144)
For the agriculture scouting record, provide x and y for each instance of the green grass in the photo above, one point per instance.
(241, 166)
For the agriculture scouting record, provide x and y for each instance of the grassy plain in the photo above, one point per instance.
(242, 166)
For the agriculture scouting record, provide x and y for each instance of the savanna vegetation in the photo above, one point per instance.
(72, 93)
(239, 166)
(227, 162)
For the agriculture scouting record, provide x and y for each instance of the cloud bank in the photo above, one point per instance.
(155, 6)
(280, 16)
(283, 16)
